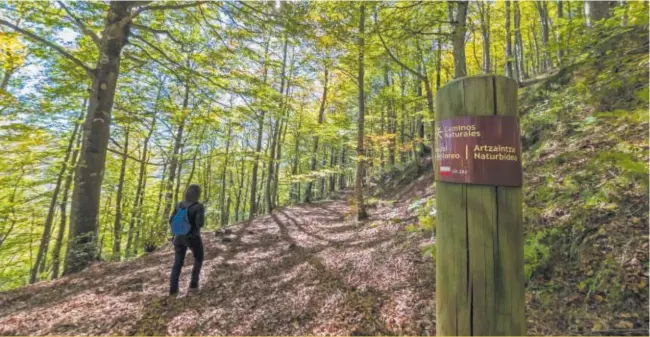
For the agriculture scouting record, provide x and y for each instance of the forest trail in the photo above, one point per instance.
(306, 269)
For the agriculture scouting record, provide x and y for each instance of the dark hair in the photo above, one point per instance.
(192, 193)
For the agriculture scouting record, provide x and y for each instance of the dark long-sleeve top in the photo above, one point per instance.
(195, 213)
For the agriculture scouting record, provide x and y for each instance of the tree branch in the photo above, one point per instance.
(81, 26)
(392, 56)
(156, 31)
(149, 7)
(52, 45)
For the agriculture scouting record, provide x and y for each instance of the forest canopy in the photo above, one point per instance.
(109, 110)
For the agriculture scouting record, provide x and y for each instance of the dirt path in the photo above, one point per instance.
(304, 270)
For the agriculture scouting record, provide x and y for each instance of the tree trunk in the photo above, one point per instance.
(402, 136)
(268, 191)
(542, 9)
(47, 227)
(240, 186)
(56, 255)
(295, 187)
(136, 212)
(342, 176)
(246, 185)
(458, 39)
(484, 11)
(419, 126)
(536, 46)
(173, 164)
(322, 179)
(380, 146)
(509, 56)
(321, 119)
(519, 46)
(559, 37)
(196, 153)
(596, 11)
(90, 172)
(278, 157)
(161, 192)
(180, 162)
(258, 147)
(117, 225)
(274, 200)
(333, 175)
(361, 208)
(223, 177)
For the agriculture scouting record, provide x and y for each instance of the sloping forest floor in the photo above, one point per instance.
(303, 270)
(312, 270)
(585, 152)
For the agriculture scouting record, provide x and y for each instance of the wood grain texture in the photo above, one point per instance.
(479, 264)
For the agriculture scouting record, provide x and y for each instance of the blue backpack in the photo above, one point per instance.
(180, 222)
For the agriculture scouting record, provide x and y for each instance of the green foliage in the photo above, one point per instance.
(537, 251)
(430, 250)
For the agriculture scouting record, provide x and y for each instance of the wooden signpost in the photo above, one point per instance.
(480, 258)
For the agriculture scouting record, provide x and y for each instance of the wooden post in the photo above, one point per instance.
(480, 258)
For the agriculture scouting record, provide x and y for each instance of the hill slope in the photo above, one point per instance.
(307, 269)
(585, 142)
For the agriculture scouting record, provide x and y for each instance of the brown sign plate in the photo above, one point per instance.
(483, 150)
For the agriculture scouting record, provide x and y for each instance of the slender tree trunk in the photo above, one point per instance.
(139, 218)
(260, 204)
(173, 165)
(295, 187)
(509, 56)
(278, 158)
(361, 208)
(258, 147)
(188, 182)
(402, 136)
(542, 9)
(380, 148)
(274, 195)
(391, 121)
(559, 37)
(90, 172)
(333, 175)
(101, 236)
(519, 46)
(458, 39)
(56, 255)
(321, 119)
(161, 192)
(536, 45)
(246, 186)
(222, 195)
(484, 11)
(342, 176)
(136, 212)
(47, 227)
(268, 192)
(419, 126)
(180, 162)
(117, 225)
(240, 186)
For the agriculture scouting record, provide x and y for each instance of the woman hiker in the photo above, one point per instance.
(186, 222)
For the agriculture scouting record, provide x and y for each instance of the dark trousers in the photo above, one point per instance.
(195, 244)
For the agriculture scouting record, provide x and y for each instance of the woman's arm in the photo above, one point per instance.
(199, 218)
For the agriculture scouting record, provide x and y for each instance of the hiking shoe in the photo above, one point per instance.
(193, 291)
